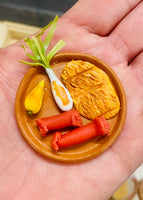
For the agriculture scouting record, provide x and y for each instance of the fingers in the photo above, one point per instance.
(100, 16)
(128, 35)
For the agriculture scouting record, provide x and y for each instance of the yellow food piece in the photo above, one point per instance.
(33, 101)
(91, 89)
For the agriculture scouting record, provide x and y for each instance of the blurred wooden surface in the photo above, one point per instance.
(11, 32)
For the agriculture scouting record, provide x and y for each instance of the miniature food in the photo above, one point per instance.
(40, 57)
(33, 100)
(99, 126)
(91, 89)
(65, 119)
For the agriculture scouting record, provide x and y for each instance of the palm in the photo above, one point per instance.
(26, 174)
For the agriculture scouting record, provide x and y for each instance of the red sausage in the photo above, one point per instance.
(69, 118)
(98, 127)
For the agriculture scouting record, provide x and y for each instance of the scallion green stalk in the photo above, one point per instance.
(39, 48)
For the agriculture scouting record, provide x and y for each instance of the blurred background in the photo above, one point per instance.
(33, 12)
(20, 18)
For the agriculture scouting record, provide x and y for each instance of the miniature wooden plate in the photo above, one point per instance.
(29, 129)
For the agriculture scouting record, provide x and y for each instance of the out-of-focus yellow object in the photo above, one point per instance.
(141, 189)
(127, 191)
(91, 89)
(121, 192)
(33, 101)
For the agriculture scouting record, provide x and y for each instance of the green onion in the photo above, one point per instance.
(39, 48)
(55, 49)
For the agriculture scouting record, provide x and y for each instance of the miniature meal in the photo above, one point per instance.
(65, 119)
(39, 48)
(98, 127)
(33, 100)
(91, 89)
(92, 92)
(96, 97)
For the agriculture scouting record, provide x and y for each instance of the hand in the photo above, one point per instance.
(113, 31)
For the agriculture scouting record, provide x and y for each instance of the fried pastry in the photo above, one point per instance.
(91, 89)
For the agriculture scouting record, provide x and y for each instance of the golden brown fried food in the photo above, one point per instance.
(91, 89)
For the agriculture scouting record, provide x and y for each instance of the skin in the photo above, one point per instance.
(115, 35)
